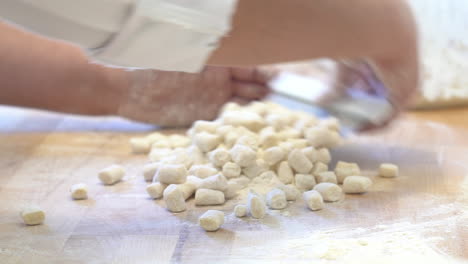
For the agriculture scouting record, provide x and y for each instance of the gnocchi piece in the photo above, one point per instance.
(287, 147)
(311, 154)
(79, 191)
(289, 133)
(155, 136)
(345, 169)
(298, 143)
(156, 189)
(140, 145)
(276, 199)
(211, 220)
(330, 123)
(229, 107)
(172, 173)
(161, 143)
(330, 192)
(256, 206)
(319, 167)
(33, 215)
(356, 184)
(149, 170)
(242, 181)
(305, 182)
(194, 180)
(240, 210)
(326, 176)
(209, 197)
(322, 137)
(215, 182)
(273, 155)
(205, 126)
(290, 191)
(313, 200)
(202, 171)
(323, 155)
(268, 139)
(174, 199)
(197, 155)
(285, 173)
(179, 141)
(249, 120)
(206, 142)
(250, 141)
(299, 162)
(187, 189)
(232, 189)
(157, 154)
(223, 130)
(219, 157)
(112, 174)
(243, 155)
(231, 170)
(388, 170)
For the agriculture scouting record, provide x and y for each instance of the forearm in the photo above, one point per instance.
(40, 73)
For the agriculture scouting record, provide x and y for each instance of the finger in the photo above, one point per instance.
(250, 90)
(253, 74)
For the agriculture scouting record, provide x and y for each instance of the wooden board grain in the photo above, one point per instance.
(119, 224)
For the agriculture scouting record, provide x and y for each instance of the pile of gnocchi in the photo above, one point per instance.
(217, 159)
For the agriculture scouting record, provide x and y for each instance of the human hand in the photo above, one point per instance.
(177, 99)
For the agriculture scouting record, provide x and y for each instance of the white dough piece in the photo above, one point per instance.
(140, 145)
(388, 170)
(156, 189)
(155, 136)
(313, 199)
(331, 123)
(242, 181)
(268, 139)
(322, 137)
(290, 191)
(209, 197)
(345, 169)
(211, 220)
(79, 191)
(240, 210)
(285, 172)
(250, 140)
(299, 162)
(330, 192)
(206, 142)
(356, 184)
(232, 189)
(276, 199)
(243, 155)
(311, 154)
(112, 174)
(326, 176)
(179, 141)
(197, 155)
(172, 173)
(319, 167)
(157, 154)
(187, 189)
(202, 171)
(251, 121)
(257, 168)
(33, 215)
(231, 170)
(161, 143)
(149, 170)
(323, 155)
(256, 206)
(273, 155)
(305, 182)
(174, 199)
(205, 126)
(215, 182)
(298, 143)
(219, 157)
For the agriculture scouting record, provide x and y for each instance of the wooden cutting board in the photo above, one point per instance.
(119, 224)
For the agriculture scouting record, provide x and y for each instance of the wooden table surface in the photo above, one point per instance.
(43, 154)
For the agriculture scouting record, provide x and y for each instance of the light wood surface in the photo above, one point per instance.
(43, 154)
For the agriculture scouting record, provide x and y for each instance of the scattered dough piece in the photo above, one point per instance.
(232, 189)
(388, 170)
(273, 155)
(323, 155)
(149, 170)
(211, 220)
(319, 167)
(140, 145)
(299, 143)
(257, 168)
(202, 171)
(172, 173)
(243, 155)
(156, 190)
(209, 197)
(252, 121)
(205, 126)
(285, 173)
(250, 140)
(231, 170)
(345, 169)
(240, 210)
(326, 176)
(111, 174)
(215, 182)
(174, 199)
(356, 184)
(79, 191)
(330, 192)
(311, 154)
(305, 182)
(206, 142)
(157, 154)
(155, 136)
(187, 189)
(290, 191)
(179, 141)
(276, 199)
(313, 200)
(299, 162)
(219, 157)
(256, 205)
(33, 215)
(268, 139)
